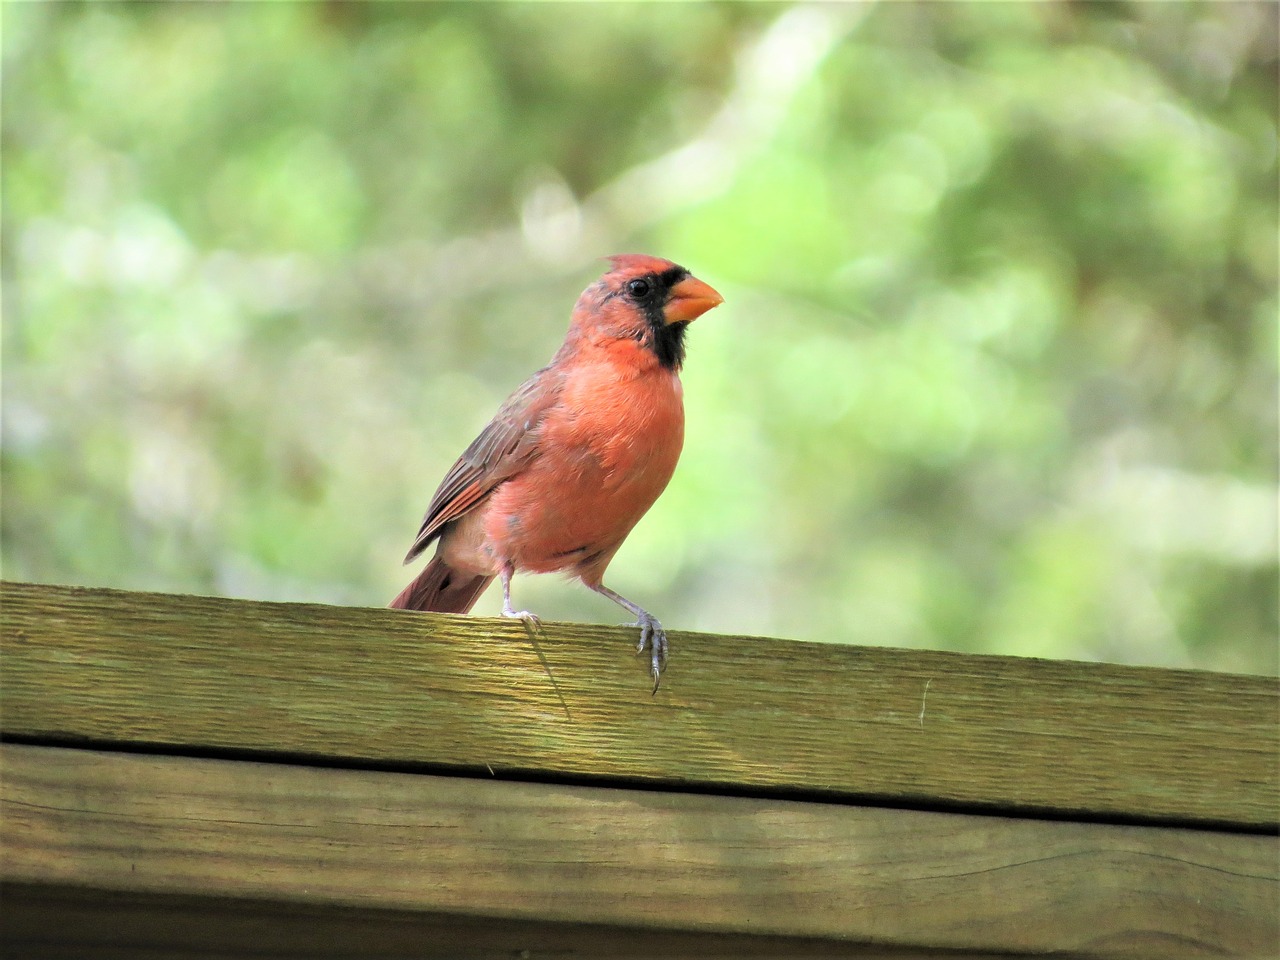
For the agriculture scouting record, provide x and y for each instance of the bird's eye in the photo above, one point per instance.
(638, 288)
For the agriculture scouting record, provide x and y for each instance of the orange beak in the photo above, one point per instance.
(690, 299)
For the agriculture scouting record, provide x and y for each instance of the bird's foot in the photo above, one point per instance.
(531, 622)
(654, 639)
(530, 619)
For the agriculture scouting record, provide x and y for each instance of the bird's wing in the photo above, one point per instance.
(503, 448)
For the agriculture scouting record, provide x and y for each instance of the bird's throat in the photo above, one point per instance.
(667, 342)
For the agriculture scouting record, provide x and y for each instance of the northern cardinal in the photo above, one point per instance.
(575, 456)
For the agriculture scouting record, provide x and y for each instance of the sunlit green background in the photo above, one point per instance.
(996, 369)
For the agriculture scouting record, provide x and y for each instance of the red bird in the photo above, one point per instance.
(575, 456)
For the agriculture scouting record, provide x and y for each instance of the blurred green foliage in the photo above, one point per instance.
(996, 371)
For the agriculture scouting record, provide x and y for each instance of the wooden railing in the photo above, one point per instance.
(295, 780)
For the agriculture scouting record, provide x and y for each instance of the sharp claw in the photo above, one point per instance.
(654, 639)
(652, 635)
(529, 618)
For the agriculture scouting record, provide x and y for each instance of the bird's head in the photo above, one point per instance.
(647, 299)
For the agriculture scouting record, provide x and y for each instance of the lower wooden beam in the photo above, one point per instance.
(51, 923)
(87, 825)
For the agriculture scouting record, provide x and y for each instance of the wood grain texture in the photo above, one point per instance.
(50, 923)
(735, 715)
(126, 824)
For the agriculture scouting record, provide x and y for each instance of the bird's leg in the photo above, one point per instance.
(652, 635)
(507, 610)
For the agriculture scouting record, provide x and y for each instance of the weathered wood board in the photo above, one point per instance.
(670, 868)
(734, 715)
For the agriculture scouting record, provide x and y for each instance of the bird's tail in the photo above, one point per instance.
(442, 589)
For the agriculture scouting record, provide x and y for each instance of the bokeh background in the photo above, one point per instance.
(996, 370)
